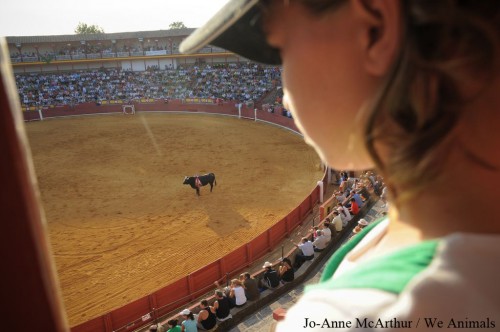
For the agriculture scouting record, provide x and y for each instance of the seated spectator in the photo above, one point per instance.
(340, 196)
(337, 221)
(189, 322)
(222, 306)
(343, 186)
(344, 214)
(313, 230)
(351, 183)
(383, 196)
(153, 328)
(377, 188)
(251, 286)
(286, 272)
(354, 207)
(270, 279)
(362, 223)
(325, 229)
(306, 252)
(320, 243)
(357, 197)
(237, 293)
(173, 325)
(206, 317)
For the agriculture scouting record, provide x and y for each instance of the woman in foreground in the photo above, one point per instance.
(411, 88)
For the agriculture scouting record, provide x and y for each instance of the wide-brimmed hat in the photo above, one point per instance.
(236, 27)
(267, 264)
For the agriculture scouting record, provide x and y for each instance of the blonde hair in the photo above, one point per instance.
(236, 282)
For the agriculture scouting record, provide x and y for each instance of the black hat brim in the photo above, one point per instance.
(237, 27)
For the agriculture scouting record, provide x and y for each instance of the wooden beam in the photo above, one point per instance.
(30, 296)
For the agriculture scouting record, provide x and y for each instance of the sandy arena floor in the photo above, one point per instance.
(121, 222)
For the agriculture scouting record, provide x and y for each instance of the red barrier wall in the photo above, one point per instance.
(182, 291)
(96, 324)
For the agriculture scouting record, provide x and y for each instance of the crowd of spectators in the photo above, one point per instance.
(18, 55)
(244, 82)
(232, 82)
(353, 191)
(95, 48)
(236, 294)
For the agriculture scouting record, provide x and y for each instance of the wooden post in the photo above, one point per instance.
(30, 280)
(249, 254)
(108, 323)
(190, 287)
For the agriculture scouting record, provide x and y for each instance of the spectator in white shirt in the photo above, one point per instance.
(321, 241)
(306, 252)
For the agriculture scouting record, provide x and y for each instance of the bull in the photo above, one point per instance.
(199, 181)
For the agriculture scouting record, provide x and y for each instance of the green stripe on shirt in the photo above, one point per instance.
(389, 273)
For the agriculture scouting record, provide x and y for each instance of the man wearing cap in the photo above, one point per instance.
(189, 323)
(270, 279)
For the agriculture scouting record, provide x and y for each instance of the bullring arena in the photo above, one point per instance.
(121, 223)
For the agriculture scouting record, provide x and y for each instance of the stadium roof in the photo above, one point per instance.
(100, 36)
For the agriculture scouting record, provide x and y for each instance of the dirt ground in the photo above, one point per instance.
(121, 222)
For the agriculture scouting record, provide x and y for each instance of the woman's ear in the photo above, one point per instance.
(380, 23)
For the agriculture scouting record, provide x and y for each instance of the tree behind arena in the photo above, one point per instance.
(177, 25)
(85, 29)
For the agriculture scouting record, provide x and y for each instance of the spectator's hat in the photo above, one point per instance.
(153, 328)
(236, 27)
(185, 312)
(362, 222)
(267, 264)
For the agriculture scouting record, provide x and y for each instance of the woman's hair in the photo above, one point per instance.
(236, 282)
(172, 322)
(287, 260)
(444, 43)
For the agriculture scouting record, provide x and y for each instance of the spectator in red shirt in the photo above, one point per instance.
(354, 207)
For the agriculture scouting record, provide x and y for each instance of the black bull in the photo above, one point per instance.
(204, 180)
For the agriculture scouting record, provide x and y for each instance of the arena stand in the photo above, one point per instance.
(145, 310)
(140, 57)
(168, 301)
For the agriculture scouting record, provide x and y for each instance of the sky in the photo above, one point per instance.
(59, 17)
